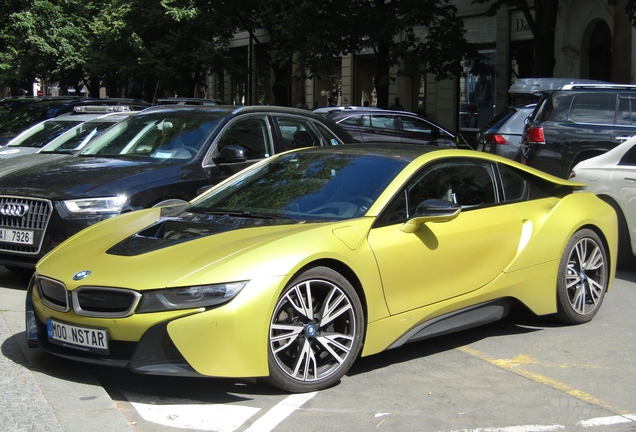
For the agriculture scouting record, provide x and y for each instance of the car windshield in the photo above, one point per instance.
(305, 186)
(76, 138)
(22, 118)
(160, 135)
(39, 135)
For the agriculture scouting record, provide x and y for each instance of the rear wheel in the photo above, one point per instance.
(316, 331)
(583, 278)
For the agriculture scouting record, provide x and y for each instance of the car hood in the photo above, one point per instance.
(80, 177)
(22, 162)
(12, 152)
(143, 250)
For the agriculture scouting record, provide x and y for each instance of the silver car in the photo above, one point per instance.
(502, 134)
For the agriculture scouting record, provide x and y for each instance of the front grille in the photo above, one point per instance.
(105, 302)
(27, 214)
(53, 294)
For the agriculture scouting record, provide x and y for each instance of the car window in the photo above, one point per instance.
(629, 158)
(328, 135)
(357, 120)
(383, 122)
(412, 124)
(470, 184)
(297, 133)
(517, 122)
(78, 137)
(593, 108)
(159, 135)
(514, 185)
(251, 134)
(626, 115)
(41, 134)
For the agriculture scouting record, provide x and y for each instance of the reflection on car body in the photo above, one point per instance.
(296, 266)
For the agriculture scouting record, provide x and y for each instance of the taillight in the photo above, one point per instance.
(534, 135)
(495, 139)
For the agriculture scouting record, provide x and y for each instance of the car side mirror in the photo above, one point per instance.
(431, 210)
(231, 154)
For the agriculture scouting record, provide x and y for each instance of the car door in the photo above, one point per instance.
(445, 259)
(625, 123)
(251, 138)
(624, 187)
(419, 131)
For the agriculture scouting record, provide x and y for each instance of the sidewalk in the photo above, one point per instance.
(39, 392)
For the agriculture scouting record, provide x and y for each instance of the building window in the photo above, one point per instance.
(477, 95)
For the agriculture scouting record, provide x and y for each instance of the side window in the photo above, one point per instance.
(329, 137)
(629, 158)
(383, 122)
(356, 120)
(411, 124)
(593, 108)
(514, 185)
(470, 184)
(626, 115)
(251, 133)
(297, 133)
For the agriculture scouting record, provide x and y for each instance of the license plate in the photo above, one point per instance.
(9, 235)
(81, 338)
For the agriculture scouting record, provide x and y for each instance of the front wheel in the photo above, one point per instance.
(316, 331)
(583, 278)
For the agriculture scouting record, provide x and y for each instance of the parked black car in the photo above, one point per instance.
(395, 127)
(12, 103)
(158, 156)
(576, 122)
(28, 115)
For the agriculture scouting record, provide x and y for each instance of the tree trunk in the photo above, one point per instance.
(281, 88)
(382, 75)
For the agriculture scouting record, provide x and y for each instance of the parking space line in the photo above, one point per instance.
(513, 367)
(280, 412)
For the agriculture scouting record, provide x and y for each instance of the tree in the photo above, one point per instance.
(542, 25)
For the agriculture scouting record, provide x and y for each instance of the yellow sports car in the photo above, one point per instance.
(293, 268)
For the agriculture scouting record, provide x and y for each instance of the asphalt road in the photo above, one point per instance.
(521, 374)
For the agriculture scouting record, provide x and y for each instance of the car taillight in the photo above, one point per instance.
(495, 139)
(534, 135)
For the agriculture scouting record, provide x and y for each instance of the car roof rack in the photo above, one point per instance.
(100, 109)
(599, 86)
(537, 86)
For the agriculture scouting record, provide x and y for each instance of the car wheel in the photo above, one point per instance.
(316, 331)
(583, 276)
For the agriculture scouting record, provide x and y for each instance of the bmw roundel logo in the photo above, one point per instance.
(81, 275)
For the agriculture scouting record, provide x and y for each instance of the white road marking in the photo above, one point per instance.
(608, 421)
(206, 417)
(280, 412)
(594, 422)
(524, 428)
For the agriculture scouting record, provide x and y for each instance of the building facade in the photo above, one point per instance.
(594, 39)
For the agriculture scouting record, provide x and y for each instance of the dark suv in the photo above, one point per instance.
(576, 122)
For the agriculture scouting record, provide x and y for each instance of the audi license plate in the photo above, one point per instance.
(81, 338)
(10, 235)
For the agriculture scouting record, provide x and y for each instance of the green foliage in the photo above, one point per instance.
(146, 45)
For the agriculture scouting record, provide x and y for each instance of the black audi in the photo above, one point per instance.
(156, 157)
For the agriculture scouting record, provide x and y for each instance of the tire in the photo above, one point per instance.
(582, 279)
(308, 352)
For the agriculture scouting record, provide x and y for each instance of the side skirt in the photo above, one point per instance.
(457, 320)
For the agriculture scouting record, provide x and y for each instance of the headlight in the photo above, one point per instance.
(188, 297)
(96, 205)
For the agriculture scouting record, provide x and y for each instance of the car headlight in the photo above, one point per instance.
(188, 297)
(96, 205)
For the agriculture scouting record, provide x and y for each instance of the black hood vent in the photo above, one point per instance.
(168, 232)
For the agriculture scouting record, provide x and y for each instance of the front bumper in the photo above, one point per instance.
(226, 341)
